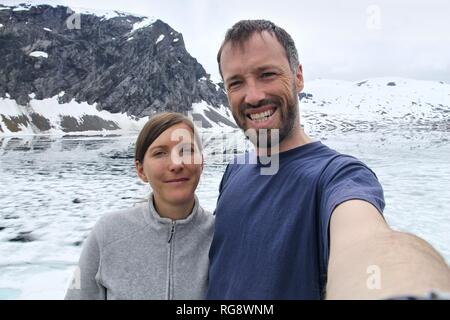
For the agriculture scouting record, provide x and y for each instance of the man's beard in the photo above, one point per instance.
(268, 138)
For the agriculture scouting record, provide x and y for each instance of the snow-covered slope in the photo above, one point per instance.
(325, 105)
(48, 116)
(375, 103)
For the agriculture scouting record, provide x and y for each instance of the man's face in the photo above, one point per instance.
(261, 87)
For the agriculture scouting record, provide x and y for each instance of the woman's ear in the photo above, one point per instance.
(140, 171)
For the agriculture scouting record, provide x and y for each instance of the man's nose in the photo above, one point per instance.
(254, 94)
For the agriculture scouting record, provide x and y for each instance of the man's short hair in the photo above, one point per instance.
(241, 31)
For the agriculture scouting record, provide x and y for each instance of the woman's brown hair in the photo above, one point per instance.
(157, 125)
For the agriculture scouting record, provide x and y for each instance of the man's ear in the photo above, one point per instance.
(140, 171)
(299, 84)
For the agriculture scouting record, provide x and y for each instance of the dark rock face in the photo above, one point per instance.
(359, 84)
(40, 122)
(87, 122)
(304, 95)
(13, 122)
(103, 62)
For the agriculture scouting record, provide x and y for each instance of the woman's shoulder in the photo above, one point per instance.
(206, 218)
(206, 213)
(120, 223)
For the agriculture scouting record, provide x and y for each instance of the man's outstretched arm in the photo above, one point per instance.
(368, 260)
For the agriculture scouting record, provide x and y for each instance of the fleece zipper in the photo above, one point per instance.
(170, 244)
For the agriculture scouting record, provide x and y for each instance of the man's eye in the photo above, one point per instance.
(234, 84)
(268, 74)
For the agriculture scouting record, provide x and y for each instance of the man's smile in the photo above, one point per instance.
(261, 115)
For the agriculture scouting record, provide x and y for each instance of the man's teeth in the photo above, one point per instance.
(261, 116)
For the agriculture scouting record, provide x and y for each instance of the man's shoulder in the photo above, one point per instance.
(338, 166)
(332, 158)
(320, 150)
(315, 158)
(322, 163)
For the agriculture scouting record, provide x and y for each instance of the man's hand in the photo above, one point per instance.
(368, 260)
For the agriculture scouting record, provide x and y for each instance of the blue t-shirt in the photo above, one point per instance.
(271, 231)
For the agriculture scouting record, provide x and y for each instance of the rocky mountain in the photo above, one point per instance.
(96, 66)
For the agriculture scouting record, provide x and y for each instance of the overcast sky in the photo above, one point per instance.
(348, 39)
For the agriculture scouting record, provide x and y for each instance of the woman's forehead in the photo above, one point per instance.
(180, 132)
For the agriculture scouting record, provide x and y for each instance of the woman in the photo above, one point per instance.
(157, 250)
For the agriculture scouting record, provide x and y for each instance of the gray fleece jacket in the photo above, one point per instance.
(136, 254)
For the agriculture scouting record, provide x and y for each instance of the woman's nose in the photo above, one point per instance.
(176, 162)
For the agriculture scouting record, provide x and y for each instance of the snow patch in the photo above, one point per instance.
(216, 79)
(104, 14)
(9, 107)
(202, 108)
(142, 24)
(160, 38)
(175, 40)
(47, 29)
(38, 54)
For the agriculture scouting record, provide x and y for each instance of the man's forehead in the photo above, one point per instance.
(261, 48)
(263, 37)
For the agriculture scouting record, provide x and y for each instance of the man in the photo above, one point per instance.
(313, 229)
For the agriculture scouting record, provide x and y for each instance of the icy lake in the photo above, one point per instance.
(53, 189)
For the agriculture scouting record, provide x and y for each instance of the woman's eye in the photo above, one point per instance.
(187, 151)
(159, 153)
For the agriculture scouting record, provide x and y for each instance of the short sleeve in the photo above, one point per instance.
(224, 178)
(222, 183)
(346, 178)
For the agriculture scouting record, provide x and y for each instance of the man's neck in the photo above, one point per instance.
(297, 138)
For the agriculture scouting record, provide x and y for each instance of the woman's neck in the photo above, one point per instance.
(173, 211)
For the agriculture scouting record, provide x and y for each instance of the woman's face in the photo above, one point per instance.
(172, 165)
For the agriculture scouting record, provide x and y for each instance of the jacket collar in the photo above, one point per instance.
(152, 216)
